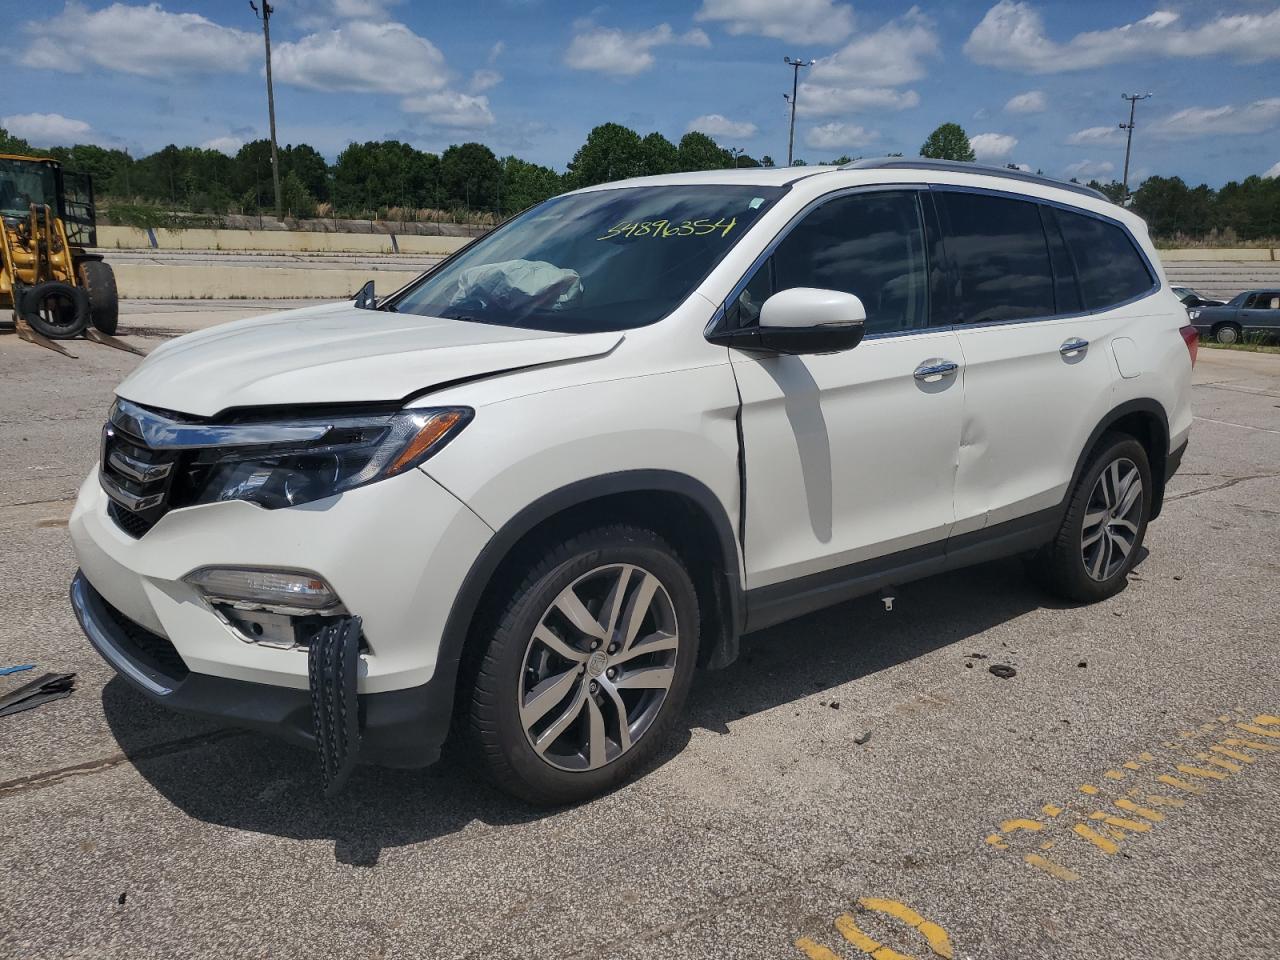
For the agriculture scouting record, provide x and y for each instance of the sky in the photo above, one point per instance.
(1033, 83)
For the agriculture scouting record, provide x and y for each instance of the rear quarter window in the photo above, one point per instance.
(1108, 266)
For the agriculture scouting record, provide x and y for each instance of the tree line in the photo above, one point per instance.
(392, 179)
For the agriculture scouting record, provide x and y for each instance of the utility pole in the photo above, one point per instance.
(795, 66)
(1133, 99)
(265, 17)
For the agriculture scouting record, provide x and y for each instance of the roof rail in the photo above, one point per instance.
(982, 169)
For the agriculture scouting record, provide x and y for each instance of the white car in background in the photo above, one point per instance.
(524, 497)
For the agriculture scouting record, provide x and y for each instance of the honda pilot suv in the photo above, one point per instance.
(523, 498)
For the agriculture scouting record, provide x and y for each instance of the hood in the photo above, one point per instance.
(338, 354)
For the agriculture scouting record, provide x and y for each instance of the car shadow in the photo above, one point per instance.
(249, 782)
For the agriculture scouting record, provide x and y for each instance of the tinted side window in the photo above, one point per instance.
(868, 244)
(1066, 292)
(1107, 263)
(999, 251)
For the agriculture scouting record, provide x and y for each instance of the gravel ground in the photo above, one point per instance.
(850, 765)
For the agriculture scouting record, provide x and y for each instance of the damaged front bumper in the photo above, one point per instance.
(400, 728)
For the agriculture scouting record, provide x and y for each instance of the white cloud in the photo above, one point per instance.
(799, 21)
(495, 52)
(48, 129)
(1089, 169)
(362, 57)
(315, 14)
(889, 57)
(840, 136)
(448, 108)
(818, 101)
(1033, 101)
(716, 126)
(1095, 135)
(992, 146)
(1195, 122)
(483, 80)
(623, 53)
(1012, 35)
(1273, 172)
(228, 145)
(144, 40)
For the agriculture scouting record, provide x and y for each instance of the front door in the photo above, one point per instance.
(849, 456)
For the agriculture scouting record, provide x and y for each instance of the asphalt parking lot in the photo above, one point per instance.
(858, 783)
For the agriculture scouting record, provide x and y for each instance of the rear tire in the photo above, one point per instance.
(1228, 333)
(99, 281)
(1104, 526)
(561, 674)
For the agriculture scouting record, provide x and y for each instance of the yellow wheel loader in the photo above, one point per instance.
(56, 289)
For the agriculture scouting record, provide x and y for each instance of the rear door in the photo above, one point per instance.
(849, 456)
(1261, 311)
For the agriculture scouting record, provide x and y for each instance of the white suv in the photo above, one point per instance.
(525, 496)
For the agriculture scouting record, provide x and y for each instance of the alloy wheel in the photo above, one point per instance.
(598, 667)
(1111, 519)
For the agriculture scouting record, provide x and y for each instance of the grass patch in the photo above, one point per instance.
(1258, 346)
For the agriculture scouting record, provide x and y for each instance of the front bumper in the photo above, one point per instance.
(402, 728)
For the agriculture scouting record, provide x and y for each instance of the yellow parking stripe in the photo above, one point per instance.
(1180, 784)
(1201, 772)
(1097, 839)
(1143, 812)
(1049, 867)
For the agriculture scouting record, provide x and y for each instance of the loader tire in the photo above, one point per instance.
(56, 310)
(99, 281)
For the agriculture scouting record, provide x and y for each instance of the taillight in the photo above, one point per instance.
(1192, 339)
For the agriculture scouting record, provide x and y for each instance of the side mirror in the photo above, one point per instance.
(365, 300)
(807, 320)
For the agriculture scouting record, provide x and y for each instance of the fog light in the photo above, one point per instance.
(283, 589)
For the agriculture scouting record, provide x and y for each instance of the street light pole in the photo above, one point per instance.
(735, 153)
(795, 66)
(1128, 143)
(265, 17)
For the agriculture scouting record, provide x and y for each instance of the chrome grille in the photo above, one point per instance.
(137, 478)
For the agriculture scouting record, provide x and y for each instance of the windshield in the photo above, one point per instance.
(588, 262)
(23, 183)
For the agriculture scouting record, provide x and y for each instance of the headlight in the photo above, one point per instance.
(1193, 314)
(354, 451)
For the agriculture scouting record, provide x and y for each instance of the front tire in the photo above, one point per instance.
(1106, 521)
(586, 666)
(1227, 333)
(99, 281)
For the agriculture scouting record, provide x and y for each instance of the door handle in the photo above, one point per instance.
(931, 371)
(1073, 347)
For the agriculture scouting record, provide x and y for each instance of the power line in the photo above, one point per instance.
(795, 66)
(1133, 99)
(265, 17)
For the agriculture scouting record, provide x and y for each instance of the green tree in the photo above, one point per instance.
(15, 145)
(611, 152)
(699, 152)
(766, 161)
(1114, 191)
(524, 184)
(294, 196)
(312, 171)
(470, 176)
(659, 155)
(948, 142)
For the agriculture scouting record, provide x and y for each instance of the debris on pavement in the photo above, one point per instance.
(1082, 664)
(51, 686)
(5, 671)
(862, 739)
(1002, 670)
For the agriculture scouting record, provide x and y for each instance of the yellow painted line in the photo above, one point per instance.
(850, 930)
(1201, 772)
(1051, 868)
(1010, 826)
(1206, 727)
(1145, 757)
(1250, 728)
(815, 951)
(1114, 775)
(936, 937)
(1234, 754)
(1267, 720)
(1180, 784)
(1047, 845)
(1134, 825)
(1089, 788)
(1224, 764)
(1186, 734)
(1251, 744)
(1144, 812)
(1051, 810)
(1224, 719)
(996, 841)
(1160, 800)
(1097, 839)
(1132, 765)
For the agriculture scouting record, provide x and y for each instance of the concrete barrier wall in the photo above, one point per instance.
(288, 241)
(144, 281)
(1220, 254)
